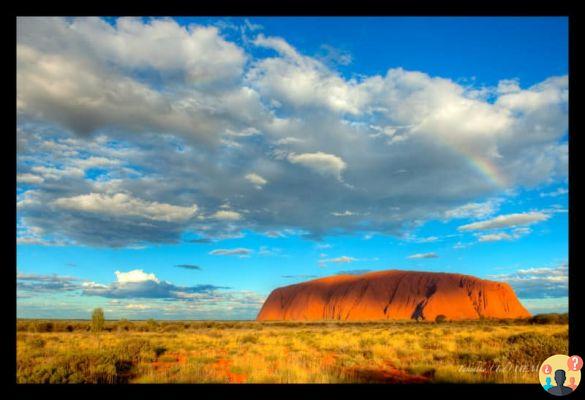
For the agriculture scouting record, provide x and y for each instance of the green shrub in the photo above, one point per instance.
(44, 326)
(97, 320)
(440, 318)
(159, 350)
(546, 319)
(249, 339)
(124, 325)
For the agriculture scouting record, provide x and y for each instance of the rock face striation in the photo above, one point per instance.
(392, 295)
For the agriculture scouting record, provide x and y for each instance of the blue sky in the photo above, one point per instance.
(185, 168)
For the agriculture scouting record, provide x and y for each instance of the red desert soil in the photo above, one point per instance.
(392, 295)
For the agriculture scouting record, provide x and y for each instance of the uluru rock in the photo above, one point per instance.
(392, 294)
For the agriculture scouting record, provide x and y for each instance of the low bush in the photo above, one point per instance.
(440, 318)
(547, 319)
(531, 348)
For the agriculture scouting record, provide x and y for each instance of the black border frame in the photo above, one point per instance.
(297, 8)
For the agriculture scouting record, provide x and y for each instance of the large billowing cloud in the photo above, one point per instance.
(143, 131)
(139, 284)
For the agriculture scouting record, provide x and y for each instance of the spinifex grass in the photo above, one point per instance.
(253, 352)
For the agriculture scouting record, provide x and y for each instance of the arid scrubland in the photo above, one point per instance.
(254, 352)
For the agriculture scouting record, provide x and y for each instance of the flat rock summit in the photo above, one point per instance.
(394, 294)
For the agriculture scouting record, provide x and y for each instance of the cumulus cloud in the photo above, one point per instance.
(240, 251)
(136, 275)
(323, 163)
(422, 255)
(139, 284)
(29, 178)
(53, 73)
(114, 97)
(506, 221)
(121, 204)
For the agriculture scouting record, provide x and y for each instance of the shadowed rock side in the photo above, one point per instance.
(392, 295)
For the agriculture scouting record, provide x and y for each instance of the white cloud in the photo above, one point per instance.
(227, 215)
(559, 192)
(301, 81)
(495, 237)
(338, 260)
(60, 80)
(160, 44)
(256, 180)
(121, 204)
(423, 255)
(514, 234)
(507, 86)
(474, 210)
(507, 221)
(240, 251)
(345, 213)
(323, 163)
(136, 275)
(540, 282)
(209, 113)
(29, 178)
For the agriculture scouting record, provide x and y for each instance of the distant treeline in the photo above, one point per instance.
(124, 325)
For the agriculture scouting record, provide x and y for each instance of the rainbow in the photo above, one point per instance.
(483, 165)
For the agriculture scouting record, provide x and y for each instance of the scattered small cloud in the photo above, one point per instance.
(422, 255)
(339, 260)
(269, 251)
(200, 241)
(345, 213)
(256, 180)
(499, 236)
(227, 215)
(39, 283)
(354, 272)
(559, 192)
(274, 234)
(474, 210)
(539, 282)
(240, 251)
(188, 266)
(506, 221)
(299, 276)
